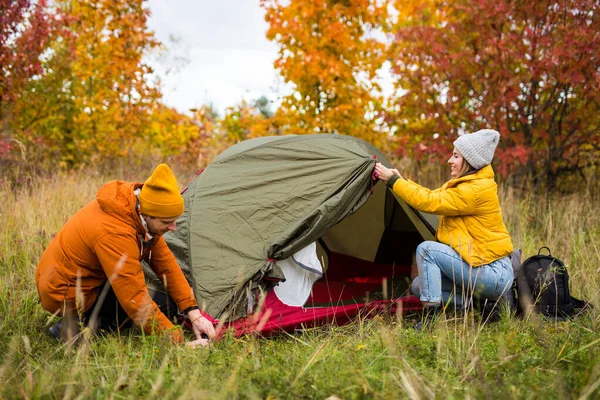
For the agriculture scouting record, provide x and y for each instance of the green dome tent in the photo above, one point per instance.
(264, 199)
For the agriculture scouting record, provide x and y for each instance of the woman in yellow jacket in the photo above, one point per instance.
(471, 254)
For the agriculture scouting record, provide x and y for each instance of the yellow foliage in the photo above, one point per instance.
(112, 95)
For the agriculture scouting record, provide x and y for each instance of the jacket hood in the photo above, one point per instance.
(486, 172)
(117, 199)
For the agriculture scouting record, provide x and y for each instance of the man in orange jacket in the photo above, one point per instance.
(106, 241)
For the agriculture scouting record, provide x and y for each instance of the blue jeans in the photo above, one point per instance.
(444, 275)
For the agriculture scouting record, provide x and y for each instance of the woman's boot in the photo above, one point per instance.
(428, 315)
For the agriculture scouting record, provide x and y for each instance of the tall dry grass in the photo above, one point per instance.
(370, 358)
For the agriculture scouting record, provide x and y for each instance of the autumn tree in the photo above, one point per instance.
(26, 29)
(92, 98)
(199, 150)
(246, 120)
(169, 133)
(44, 113)
(527, 69)
(110, 79)
(329, 52)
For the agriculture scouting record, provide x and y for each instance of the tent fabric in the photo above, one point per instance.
(264, 199)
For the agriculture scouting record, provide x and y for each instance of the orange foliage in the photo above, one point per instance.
(329, 53)
(81, 92)
(207, 143)
(215, 134)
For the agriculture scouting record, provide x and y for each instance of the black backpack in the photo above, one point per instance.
(542, 281)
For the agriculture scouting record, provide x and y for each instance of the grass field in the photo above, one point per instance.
(378, 358)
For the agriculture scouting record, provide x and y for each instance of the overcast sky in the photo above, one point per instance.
(221, 56)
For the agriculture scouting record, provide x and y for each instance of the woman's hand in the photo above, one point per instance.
(384, 173)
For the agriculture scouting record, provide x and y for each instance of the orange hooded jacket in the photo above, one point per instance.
(103, 241)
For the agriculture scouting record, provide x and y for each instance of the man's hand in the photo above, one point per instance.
(198, 342)
(200, 326)
(384, 173)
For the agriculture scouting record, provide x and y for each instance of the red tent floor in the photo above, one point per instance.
(276, 316)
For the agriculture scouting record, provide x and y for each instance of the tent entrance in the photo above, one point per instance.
(350, 280)
(368, 255)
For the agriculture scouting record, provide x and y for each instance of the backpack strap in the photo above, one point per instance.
(525, 297)
(542, 248)
(515, 259)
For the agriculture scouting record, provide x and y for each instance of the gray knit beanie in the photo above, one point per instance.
(478, 147)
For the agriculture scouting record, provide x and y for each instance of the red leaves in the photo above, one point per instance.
(25, 31)
(5, 147)
(509, 159)
(529, 69)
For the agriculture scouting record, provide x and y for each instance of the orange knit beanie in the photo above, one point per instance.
(160, 196)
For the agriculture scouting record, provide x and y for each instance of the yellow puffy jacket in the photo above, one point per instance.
(471, 220)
